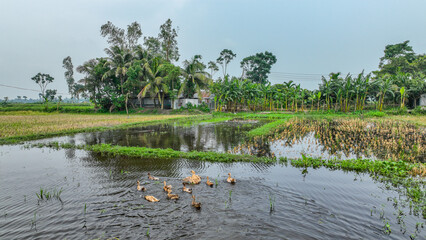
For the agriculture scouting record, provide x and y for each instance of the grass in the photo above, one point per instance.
(271, 202)
(29, 126)
(44, 194)
(53, 107)
(268, 128)
(158, 153)
(415, 119)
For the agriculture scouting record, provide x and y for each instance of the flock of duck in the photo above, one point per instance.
(194, 179)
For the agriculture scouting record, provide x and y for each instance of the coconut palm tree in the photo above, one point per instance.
(157, 86)
(119, 60)
(195, 76)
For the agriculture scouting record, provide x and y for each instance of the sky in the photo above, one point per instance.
(310, 38)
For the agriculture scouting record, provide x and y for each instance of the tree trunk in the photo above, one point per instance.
(127, 108)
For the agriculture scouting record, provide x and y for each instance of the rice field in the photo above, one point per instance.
(382, 139)
(27, 123)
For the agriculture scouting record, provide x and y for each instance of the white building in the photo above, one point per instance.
(423, 99)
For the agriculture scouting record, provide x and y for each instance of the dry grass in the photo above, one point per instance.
(24, 123)
(420, 120)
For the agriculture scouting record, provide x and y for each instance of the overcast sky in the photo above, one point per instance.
(309, 37)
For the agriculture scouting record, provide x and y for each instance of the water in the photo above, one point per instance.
(319, 204)
(218, 137)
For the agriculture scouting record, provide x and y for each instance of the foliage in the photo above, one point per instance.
(257, 67)
(158, 153)
(167, 38)
(69, 74)
(224, 59)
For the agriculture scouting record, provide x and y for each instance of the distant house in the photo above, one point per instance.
(423, 99)
(148, 102)
(206, 97)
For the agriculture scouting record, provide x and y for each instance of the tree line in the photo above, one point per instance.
(132, 70)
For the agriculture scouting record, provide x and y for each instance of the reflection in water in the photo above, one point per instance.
(218, 137)
(343, 139)
(308, 205)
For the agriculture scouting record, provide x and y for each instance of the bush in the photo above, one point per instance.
(419, 110)
(397, 111)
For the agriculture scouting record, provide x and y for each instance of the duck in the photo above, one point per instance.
(209, 183)
(185, 189)
(140, 188)
(172, 196)
(150, 177)
(194, 179)
(195, 204)
(230, 180)
(167, 187)
(151, 199)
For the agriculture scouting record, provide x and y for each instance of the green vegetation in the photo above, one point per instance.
(267, 129)
(45, 194)
(158, 153)
(38, 107)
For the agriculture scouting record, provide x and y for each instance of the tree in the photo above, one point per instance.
(195, 77)
(167, 38)
(119, 61)
(120, 37)
(25, 98)
(42, 80)
(257, 67)
(156, 83)
(397, 50)
(213, 68)
(48, 96)
(153, 46)
(94, 70)
(224, 59)
(67, 64)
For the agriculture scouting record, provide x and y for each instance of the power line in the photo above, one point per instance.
(27, 89)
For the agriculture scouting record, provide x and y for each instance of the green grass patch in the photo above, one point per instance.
(268, 128)
(158, 153)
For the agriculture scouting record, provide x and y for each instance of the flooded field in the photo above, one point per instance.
(94, 196)
(99, 200)
(218, 137)
(342, 139)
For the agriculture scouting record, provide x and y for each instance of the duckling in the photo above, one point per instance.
(150, 177)
(195, 204)
(185, 189)
(166, 188)
(172, 196)
(209, 183)
(230, 180)
(151, 199)
(140, 188)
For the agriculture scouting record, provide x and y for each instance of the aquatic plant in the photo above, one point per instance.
(47, 195)
(158, 153)
(271, 202)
